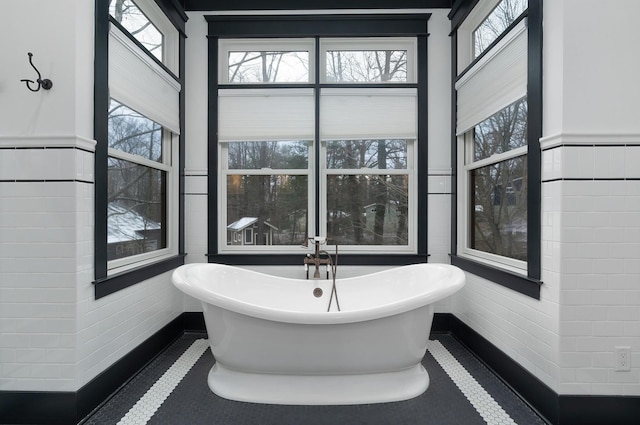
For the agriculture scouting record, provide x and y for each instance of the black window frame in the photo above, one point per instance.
(321, 25)
(105, 284)
(529, 284)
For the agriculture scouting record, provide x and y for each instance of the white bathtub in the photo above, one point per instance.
(274, 341)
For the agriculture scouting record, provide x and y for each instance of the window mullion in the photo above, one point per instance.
(494, 159)
(320, 216)
(115, 153)
(267, 172)
(367, 171)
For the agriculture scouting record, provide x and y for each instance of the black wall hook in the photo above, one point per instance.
(45, 84)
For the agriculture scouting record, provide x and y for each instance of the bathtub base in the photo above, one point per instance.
(318, 389)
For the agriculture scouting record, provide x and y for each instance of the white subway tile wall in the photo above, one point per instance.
(37, 290)
(590, 300)
(600, 259)
(54, 336)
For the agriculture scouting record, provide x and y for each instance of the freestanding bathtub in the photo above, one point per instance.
(275, 342)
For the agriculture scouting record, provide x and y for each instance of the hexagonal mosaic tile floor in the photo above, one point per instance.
(173, 390)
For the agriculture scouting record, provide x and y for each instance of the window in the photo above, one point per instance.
(137, 201)
(366, 60)
(141, 181)
(145, 23)
(267, 186)
(368, 167)
(266, 61)
(138, 176)
(501, 17)
(268, 138)
(129, 15)
(496, 169)
(316, 136)
(367, 192)
(497, 132)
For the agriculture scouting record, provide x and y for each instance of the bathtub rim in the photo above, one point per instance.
(455, 282)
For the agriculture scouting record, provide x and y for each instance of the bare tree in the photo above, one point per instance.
(127, 13)
(500, 190)
(504, 14)
(135, 191)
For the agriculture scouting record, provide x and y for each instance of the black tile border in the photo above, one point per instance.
(68, 408)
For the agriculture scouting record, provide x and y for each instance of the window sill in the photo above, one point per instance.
(297, 259)
(517, 282)
(114, 283)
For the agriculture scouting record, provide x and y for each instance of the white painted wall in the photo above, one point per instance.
(53, 335)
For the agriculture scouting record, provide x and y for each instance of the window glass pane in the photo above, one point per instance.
(356, 154)
(503, 15)
(367, 209)
(133, 133)
(366, 66)
(136, 211)
(502, 132)
(280, 155)
(274, 207)
(499, 208)
(127, 14)
(268, 67)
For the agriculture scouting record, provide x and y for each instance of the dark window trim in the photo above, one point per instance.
(460, 9)
(296, 259)
(409, 25)
(530, 284)
(175, 12)
(208, 5)
(259, 26)
(519, 283)
(111, 284)
(104, 284)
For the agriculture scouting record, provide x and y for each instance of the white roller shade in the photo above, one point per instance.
(136, 81)
(265, 114)
(368, 113)
(496, 81)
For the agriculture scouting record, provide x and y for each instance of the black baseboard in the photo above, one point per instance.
(598, 410)
(539, 396)
(555, 408)
(38, 407)
(68, 408)
(193, 322)
(441, 323)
